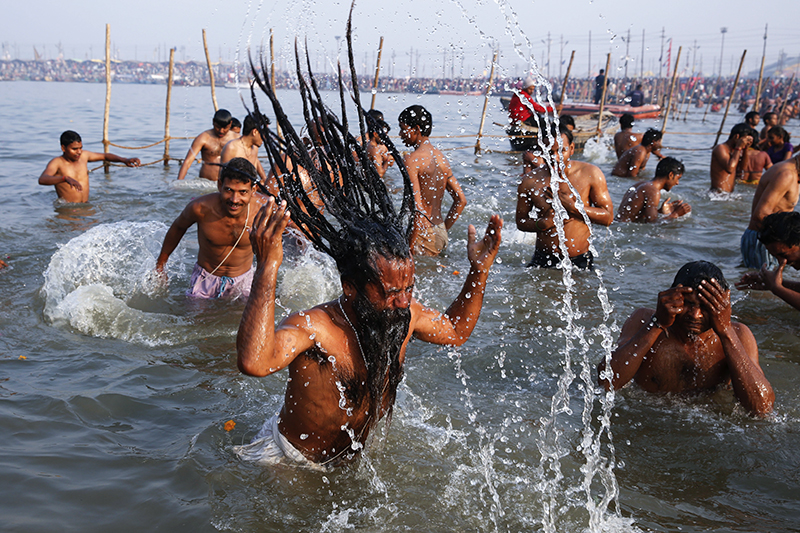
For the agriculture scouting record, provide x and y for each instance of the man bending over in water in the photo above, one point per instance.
(727, 156)
(70, 171)
(634, 160)
(345, 357)
(640, 203)
(209, 145)
(689, 343)
(247, 146)
(780, 233)
(431, 177)
(224, 265)
(777, 191)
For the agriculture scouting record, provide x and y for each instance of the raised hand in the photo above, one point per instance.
(670, 304)
(773, 278)
(751, 280)
(266, 235)
(717, 302)
(481, 253)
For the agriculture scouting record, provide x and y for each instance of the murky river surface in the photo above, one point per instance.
(113, 397)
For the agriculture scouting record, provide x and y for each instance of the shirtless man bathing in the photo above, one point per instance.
(70, 171)
(345, 357)
(247, 146)
(634, 160)
(641, 202)
(728, 156)
(209, 145)
(431, 177)
(535, 212)
(689, 344)
(224, 267)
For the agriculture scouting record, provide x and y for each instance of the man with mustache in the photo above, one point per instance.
(689, 343)
(345, 357)
(224, 265)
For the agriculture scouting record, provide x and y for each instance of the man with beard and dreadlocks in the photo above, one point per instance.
(345, 357)
(689, 343)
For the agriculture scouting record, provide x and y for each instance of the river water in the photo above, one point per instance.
(114, 396)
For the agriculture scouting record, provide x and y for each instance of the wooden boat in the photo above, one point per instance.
(581, 109)
(523, 137)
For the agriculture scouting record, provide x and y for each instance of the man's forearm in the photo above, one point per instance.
(627, 358)
(466, 308)
(789, 292)
(749, 383)
(255, 341)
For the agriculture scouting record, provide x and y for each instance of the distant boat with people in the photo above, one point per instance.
(580, 109)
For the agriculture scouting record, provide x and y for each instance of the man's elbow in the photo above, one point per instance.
(250, 369)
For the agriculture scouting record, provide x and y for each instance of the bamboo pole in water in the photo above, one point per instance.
(566, 79)
(786, 98)
(210, 72)
(730, 98)
(603, 98)
(108, 95)
(689, 104)
(711, 98)
(169, 98)
(758, 85)
(671, 89)
(377, 74)
(485, 105)
(272, 74)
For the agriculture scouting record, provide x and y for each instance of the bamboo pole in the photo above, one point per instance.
(377, 74)
(108, 96)
(566, 79)
(713, 90)
(758, 86)
(485, 103)
(786, 98)
(210, 72)
(169, 99)
(685, 94)
(689, 104)
(730, 98)
(272, 74)
(671, 89)
(603, 98)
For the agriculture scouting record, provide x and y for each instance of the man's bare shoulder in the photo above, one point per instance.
(536, 179)
(589, 170)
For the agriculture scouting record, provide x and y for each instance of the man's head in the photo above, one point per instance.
(626, 121)
(71, 145)
(672, 169)
(639, 87)
(652, 137)
(738, 131)
(602, 71)
(222, 122)
(235, 184)
(770, 119)
(695, 317)
(376, 122)
(251, 128)
(780, 233)
(568, 121)
(236, 126)
(415, 121)
(752, 119)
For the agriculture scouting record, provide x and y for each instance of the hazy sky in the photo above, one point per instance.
(447, 36)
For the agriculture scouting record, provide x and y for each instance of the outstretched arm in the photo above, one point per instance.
(456, 325)
(113, 158)
(261, 350)
(772, 280)
(175, 233)
(194, 149)
(749, 383)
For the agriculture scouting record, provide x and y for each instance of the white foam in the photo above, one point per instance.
(599, 150)
(312, 279)
(195, 184)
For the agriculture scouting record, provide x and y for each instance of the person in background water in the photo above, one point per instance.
(247, 146)
(779, 148)
(754, 162)
(224, 267)
(70, 171)
(640, 202)
(770, 121)
(637, 97)
(599, 82)
(376, 150)
(536, 214)
(431, 177)
(236, 126)
(727, 157)
(689, 344)
(625, 138)
(634, 160)
(777, 192)
(780, 234)
(752, 119)
(209, 145)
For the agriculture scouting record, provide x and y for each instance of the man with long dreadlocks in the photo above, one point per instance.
(345, 357)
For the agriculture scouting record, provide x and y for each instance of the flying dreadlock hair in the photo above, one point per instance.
(365, 222)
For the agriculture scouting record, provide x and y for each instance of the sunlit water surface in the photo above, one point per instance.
(113, 394)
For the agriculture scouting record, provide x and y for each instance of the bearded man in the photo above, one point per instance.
(345, 357)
